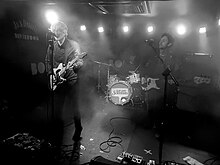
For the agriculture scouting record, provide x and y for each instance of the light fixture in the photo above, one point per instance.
(125, 29)
(100, 29)
(181, 29)
(82, 27)
(51, 16)
(202, 30)
(150, 29)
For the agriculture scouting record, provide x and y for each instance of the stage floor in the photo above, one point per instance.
(109, 130)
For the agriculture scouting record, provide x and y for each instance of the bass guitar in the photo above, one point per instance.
(57, 77)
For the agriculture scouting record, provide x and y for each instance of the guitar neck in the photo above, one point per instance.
(72, 62)
(75, 59)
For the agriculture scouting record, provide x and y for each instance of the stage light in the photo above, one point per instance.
(181, 29)
(202, 30)
(51, 16)
(82, 27)
(150, 29)
(219, 22)
(100, 29)
(125, 29)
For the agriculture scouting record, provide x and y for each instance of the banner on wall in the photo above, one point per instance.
(23, 54)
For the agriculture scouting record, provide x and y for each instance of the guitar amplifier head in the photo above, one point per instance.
(198, 66)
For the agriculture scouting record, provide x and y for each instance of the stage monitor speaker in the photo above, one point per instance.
(99, 160)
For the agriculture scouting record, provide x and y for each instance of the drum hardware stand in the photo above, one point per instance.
(99, 77)
(108, 78)
(137, 68)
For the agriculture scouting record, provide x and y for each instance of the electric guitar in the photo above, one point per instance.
(58, 72)
(151, 83)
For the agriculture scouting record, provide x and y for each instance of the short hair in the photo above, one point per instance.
(169, 36)
(59, 26)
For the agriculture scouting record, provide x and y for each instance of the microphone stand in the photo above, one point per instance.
(51, 44)
(49, 62)
(166, 73)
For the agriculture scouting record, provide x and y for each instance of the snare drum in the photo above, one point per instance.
(120, 93)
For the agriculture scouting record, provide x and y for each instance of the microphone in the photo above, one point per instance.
(149, 41)
(51, 34)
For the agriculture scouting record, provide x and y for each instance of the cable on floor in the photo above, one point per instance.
(213, 160)
(112, 141)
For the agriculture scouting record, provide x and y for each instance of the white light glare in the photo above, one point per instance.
(125, 28)
(181, 29)
(150, 29)
(51, 16)
(123, 100)
(219, 22)
(100, 29)
(202, 30)
(82, 27)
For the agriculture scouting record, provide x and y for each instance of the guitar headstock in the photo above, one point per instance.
(82, 55)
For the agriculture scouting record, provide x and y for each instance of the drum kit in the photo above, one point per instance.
(121, 92)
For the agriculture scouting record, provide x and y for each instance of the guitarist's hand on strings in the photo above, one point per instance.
(77, 65)
(55, 80)
(73, 66)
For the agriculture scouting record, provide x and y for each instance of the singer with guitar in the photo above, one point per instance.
(163, 58)
(63, 77)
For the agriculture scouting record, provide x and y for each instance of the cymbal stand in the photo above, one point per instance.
(108, 79)
(99, 78)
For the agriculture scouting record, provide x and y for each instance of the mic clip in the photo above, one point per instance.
(50, 34)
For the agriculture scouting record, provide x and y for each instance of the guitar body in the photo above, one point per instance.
(151, 83)
(59, 72)
(55, 81)
(59, 68)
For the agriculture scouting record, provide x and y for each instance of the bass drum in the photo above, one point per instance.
(120, 93)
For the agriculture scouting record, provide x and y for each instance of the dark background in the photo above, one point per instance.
(23, 84)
